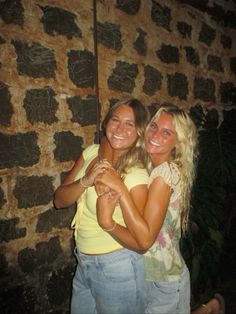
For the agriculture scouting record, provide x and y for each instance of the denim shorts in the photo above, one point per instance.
(110, 283)
(169, 297)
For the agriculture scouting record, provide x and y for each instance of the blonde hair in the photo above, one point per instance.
(137, 154)
(184, 154)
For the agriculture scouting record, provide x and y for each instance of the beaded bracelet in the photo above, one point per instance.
(83, 185)
(109, 230)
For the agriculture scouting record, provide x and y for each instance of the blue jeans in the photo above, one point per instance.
(169, 297)
(110, 283)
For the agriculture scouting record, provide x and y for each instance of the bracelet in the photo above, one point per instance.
(83, 185)
(109, 230)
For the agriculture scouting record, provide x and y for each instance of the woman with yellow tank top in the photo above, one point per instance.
(109, 278)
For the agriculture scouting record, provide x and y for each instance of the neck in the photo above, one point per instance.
(157, 160)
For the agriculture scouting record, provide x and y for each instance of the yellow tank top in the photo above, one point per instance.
(89, 236)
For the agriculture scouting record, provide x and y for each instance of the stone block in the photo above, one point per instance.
(19, 150)
(68, 146)
(40, 105)
(123, 77)
(34, 60)
(81, 67)
(29, 190)
(84, 110)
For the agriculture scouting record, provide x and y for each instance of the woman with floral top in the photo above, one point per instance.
(170, 141)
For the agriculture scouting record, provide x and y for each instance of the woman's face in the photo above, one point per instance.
(161, 138)
(121, 130)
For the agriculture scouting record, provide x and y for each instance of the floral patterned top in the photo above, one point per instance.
(163, 261)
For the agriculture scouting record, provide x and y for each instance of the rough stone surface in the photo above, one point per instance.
(57, 21)
(2, 40)
(233, 65)
(53, 218)
(140, 44)
(12, 12)
(29, 190)
(45, 253)
(34, 60)
(226, 41)
(109, 35)
(228, 93)
(62, 279)
(40, 105)
(168, 54)
(2, 196)
(153, 79)
(123, 77)
(129, 6)
(6, 105)
(20, 150)
(68, 146)
(177, 85)
(81, 67)
(207, 34)
(192, 56)
(204, 89)
(10, 231)
(18, 299)
(84, 111)
(184, 29)
(161, 15)
(214, 63)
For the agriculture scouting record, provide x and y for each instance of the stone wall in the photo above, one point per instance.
(63, 63)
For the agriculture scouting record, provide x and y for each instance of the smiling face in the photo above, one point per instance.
(121, 131)
(161, 138)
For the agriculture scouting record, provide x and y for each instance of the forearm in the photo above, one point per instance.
(123, 236)
(67, 195)
(135, 222)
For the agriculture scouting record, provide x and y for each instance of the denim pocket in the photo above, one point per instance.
(119, 271)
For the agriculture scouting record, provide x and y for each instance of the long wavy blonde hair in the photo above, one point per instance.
(137, 154)
(184, 154)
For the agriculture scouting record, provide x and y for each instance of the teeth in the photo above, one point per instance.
(118, 137)
(154, 144)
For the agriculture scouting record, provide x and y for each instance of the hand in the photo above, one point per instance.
(105, 208)
(111, 179)
(98, 168)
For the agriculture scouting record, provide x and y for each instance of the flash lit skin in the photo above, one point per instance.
(161, 139)
(121, 130)
(144, 225)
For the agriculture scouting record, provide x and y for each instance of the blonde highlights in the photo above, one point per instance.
(184, 154)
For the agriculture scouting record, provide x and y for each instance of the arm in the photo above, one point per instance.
(143, 227)
(105, 208)
(146, 228)
(69, 191)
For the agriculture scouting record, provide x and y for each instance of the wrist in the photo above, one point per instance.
(111, 227)
(84, 183)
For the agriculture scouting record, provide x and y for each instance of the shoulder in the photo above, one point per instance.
(90, 151)
(136, 176)
(169, 171)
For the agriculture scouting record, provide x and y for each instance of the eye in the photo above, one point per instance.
(114, 119)
(153, 125)
(130, 124)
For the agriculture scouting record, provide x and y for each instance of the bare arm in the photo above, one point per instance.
(105, 208)
(144, 227)
(69, 191)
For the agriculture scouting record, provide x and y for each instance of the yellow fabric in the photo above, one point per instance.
(89, 236)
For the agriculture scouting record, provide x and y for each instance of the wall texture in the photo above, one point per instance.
(63, 63)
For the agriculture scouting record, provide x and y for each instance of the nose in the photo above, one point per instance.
(156, 134)
(120, 127)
